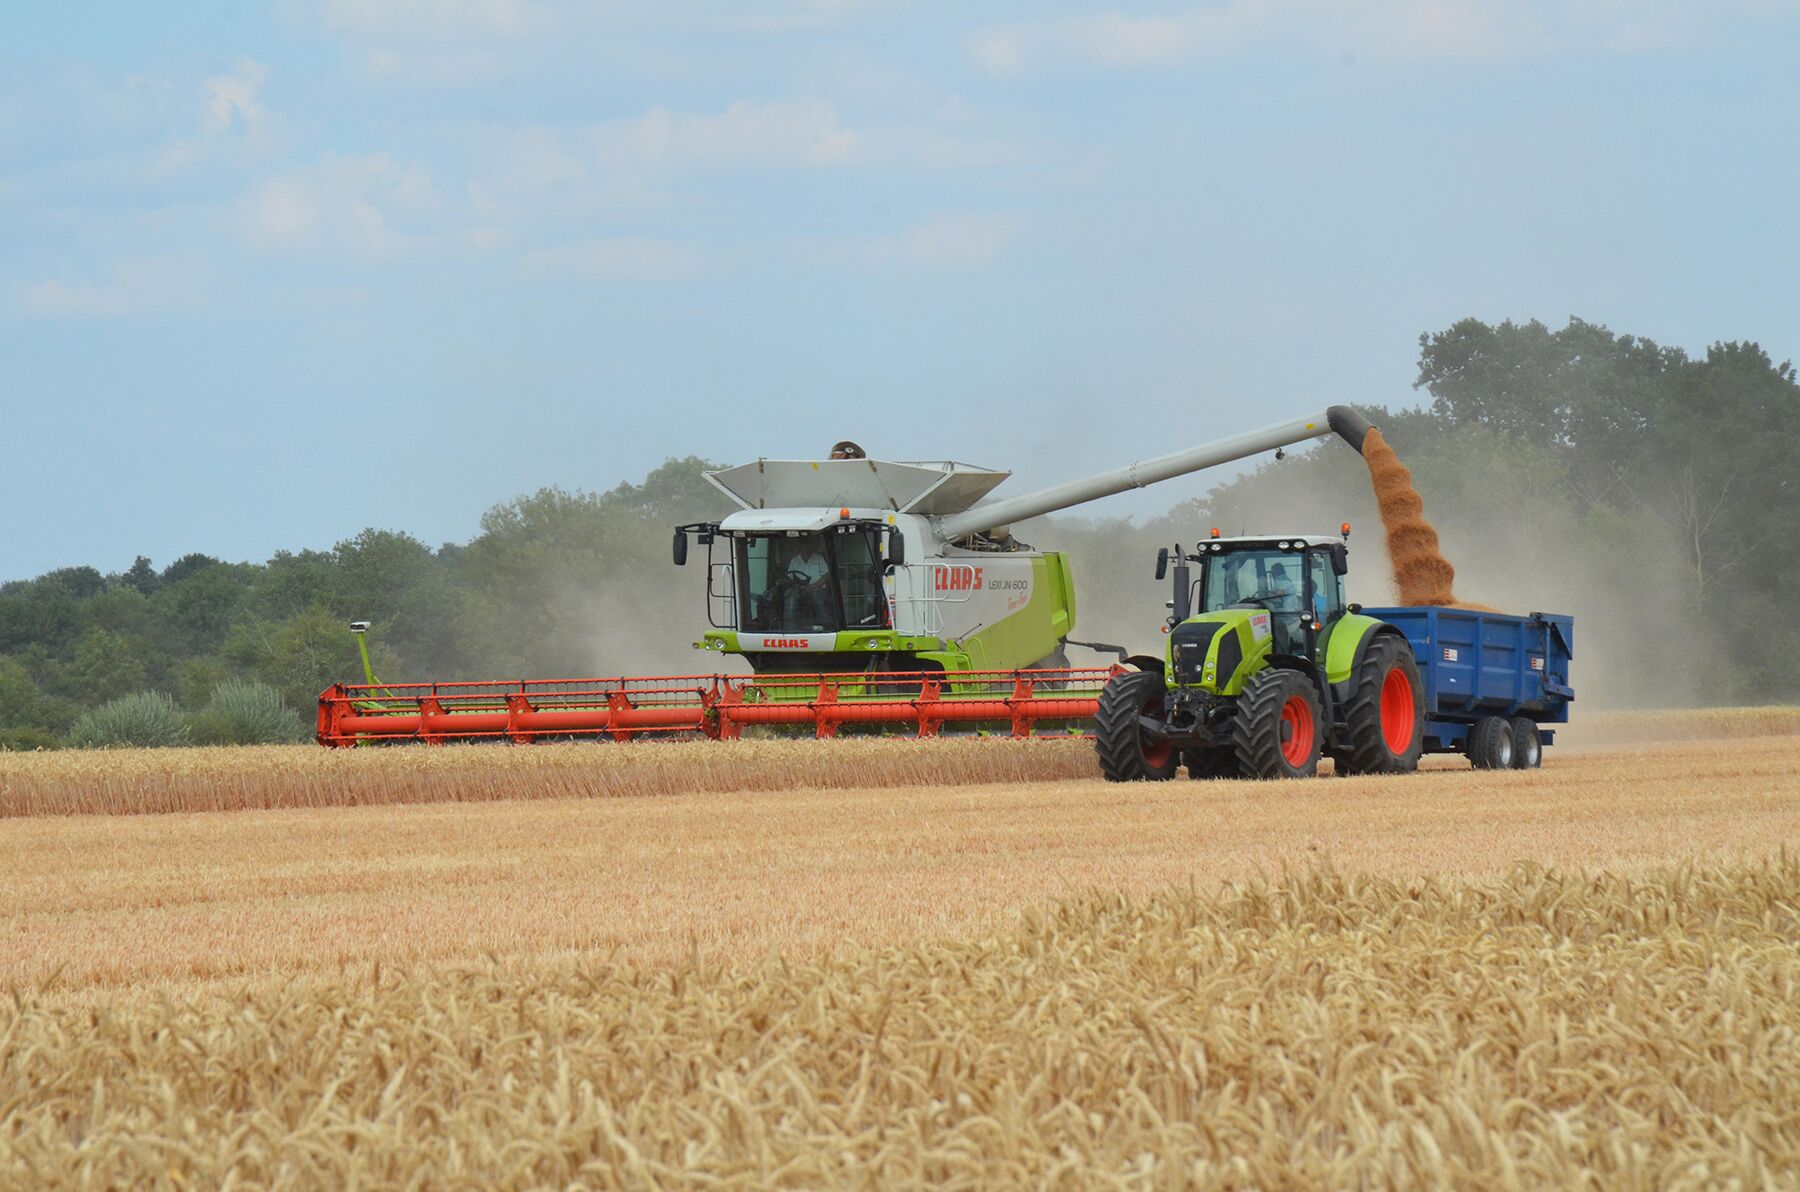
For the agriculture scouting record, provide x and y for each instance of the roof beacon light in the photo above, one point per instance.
(1345, 529)
(844, 514)
(1215, 531)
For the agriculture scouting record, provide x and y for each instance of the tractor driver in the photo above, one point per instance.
(1281, 597)
(808, 597)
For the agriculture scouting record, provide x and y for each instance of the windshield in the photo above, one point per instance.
(811, 582)
(1273, 580)
(1268, 579)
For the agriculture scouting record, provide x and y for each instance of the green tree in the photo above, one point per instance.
(105, 667)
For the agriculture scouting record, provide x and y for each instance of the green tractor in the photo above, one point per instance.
(1267, 669)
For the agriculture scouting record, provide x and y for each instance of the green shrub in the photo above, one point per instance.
(25, 740)
(146, 718)
(246, 713)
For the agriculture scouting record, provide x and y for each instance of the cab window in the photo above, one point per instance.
(859, 576)
(1260, 579)
(811, 582)
(1328, 587)
(787, 584)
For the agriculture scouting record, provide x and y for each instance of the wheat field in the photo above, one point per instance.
(1581, 976)
(140, 781)
(233, 778)
(1322, 1030)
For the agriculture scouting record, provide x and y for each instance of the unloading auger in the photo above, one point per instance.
(859, 591)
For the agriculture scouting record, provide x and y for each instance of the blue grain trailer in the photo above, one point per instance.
(1493, 681)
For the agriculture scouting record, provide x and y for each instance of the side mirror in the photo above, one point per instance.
(896, 548)
(1162, 562)
(681, 548)
(1340, 558)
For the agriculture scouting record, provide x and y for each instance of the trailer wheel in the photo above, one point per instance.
(1127, 754)
(1278, 730)
(1490, 745)
(1528, 746)
(1217, 762)
(1384, 721)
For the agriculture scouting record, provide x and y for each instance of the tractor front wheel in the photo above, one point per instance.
(1278, 730)
(1384, 719)
(1127, 752)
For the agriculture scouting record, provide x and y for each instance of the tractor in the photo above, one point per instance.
(1266, 670)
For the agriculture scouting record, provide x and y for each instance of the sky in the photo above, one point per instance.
(274, 273)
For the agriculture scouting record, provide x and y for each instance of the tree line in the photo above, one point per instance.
(1651, 492)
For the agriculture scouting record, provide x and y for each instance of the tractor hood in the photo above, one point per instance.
(1217, 651)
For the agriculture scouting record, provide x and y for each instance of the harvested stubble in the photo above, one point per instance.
(1648, 727)
(1547, 1030)
(138, 781)
(100, 905)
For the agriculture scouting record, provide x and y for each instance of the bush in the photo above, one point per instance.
(145, 719)
(246, 713)
(27, 740)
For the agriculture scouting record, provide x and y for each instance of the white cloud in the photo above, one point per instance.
(433, 66)
(363, 206)
(1455, 30)
(948, 242)
(630, 165)
(134, 286)
(802, 132)
(624, 258)
(439, 20)
(232, 99)
(232, 121)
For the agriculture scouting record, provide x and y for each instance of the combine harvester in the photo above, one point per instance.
(859, 591)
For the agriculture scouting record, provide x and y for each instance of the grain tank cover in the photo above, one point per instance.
(928, 487)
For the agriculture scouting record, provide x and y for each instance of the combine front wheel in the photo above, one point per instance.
(1278, 730)
(1384, 720)
(1127, 752)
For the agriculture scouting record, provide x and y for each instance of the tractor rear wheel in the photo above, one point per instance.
(1127, 752)
(1490, 744)
(1218, 761)
(1384, 719)
(1528, 746)
(1278, 730)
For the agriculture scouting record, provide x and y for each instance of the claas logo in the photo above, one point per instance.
(958, 579)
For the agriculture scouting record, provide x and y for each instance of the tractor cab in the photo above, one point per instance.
(1283, 591)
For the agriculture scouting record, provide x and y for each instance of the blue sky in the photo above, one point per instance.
(271, 274)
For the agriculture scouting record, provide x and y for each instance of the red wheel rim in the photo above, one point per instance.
(1297, 730)
(1397, 712)
(1157, 753)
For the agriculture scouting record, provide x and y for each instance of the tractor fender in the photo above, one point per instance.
(1346, 642)
(1146, 662)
